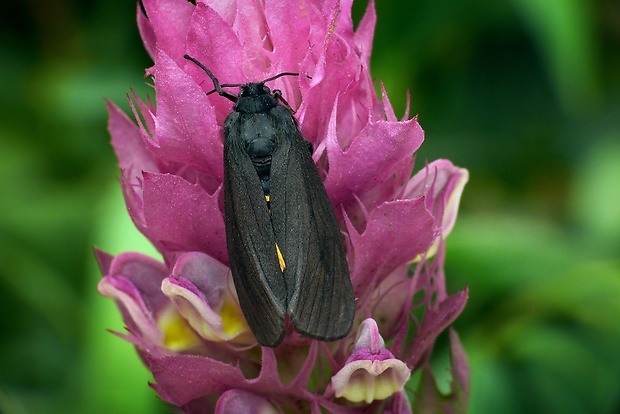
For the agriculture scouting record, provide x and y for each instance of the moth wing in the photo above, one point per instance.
(251, 243)
(320, 300)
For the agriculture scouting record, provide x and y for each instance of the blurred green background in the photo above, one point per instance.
(523, 93)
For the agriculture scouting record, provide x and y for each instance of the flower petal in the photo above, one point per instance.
(339, 78)
(133, 157)
(379, 153)
(396, 232)
(146, 33)
(178, 335)
(461, 373)
(398, 404)
(201, 289)
(169, 20)
(133, 281)
(187, 133)
(436, 319)
(254, 33)
(368, 337)
(371, 372)
(298, 26)
(215, 44)
(181, 216)
(180, 379)
(365, 32)
(442, 183)
(240, 401)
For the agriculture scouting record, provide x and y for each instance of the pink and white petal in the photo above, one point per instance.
(133, 281)
(368, 381)
(371, 372)
(202, 291)
(442, 183)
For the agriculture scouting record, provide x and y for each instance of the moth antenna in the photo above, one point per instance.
(216, 83)
(279, 75)
(278, 93)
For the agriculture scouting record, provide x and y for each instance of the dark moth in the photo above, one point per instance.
(284, 244)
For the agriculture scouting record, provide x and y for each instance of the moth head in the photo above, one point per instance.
(254, 89)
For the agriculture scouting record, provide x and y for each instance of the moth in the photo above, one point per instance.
(285, 249)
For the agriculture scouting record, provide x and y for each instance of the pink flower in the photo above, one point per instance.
(371, 372)
(182, 314)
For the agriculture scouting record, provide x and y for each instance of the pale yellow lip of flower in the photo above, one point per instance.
(376, 380)
(372, 372)
(178, 335)
(218, 325)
